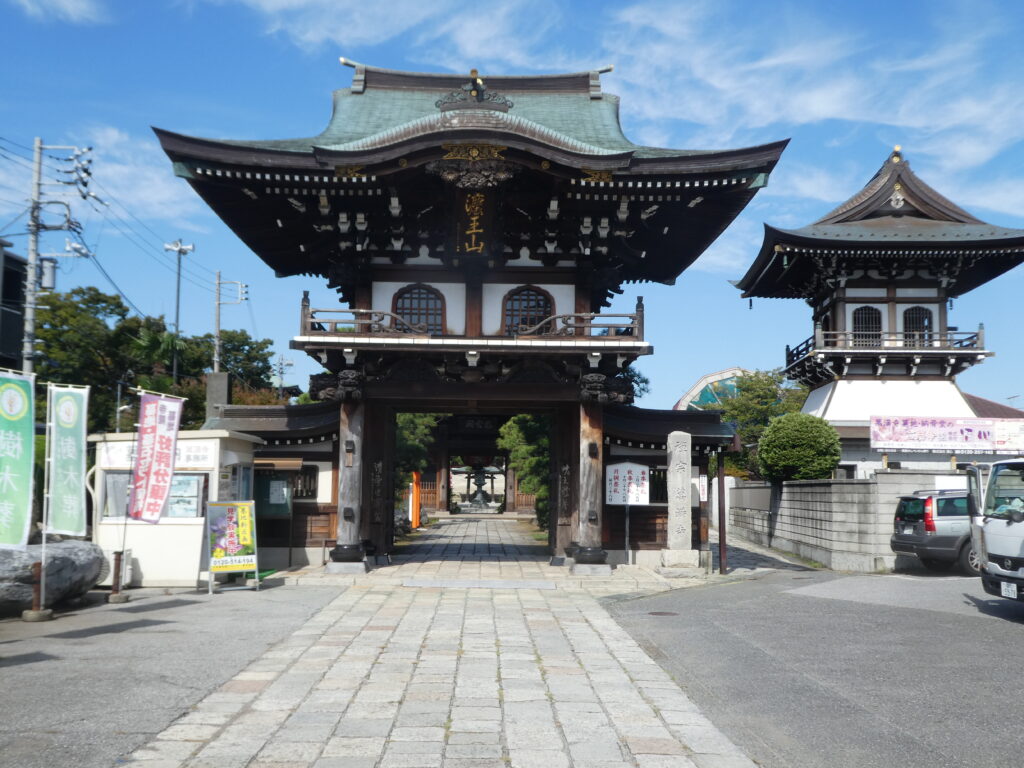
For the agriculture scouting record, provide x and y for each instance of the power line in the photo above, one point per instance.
(108, 194)
(104, 272)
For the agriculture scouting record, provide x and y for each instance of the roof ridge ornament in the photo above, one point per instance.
(474, 95)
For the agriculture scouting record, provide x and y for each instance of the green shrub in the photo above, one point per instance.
(798, 446)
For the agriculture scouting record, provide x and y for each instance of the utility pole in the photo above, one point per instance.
(81, 174)
(242, 288)
(180, 250)
(28, 346)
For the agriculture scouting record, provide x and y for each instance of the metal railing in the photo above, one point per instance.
(331, 322)
(923, 341)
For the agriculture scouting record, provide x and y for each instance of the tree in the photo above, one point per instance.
(526, 439)
(414, 437)
(798, 446)
(88, 337)
(760, 397)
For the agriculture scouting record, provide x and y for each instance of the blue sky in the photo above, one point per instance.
(844, 81)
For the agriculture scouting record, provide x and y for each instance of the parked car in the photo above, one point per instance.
(935, 526)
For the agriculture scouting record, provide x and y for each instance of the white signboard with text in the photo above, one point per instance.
(628, 484)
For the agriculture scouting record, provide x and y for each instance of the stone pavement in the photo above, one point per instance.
(515, 675)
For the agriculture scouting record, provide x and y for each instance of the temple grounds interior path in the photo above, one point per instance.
(470, 651)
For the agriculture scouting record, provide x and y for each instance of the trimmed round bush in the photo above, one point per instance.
(798, 446)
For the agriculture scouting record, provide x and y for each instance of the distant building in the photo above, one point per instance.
(879, 273)
(12, 306)
(710, 390)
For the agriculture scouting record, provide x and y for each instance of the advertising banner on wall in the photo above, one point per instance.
(231, 536)
(17, 427)
(159, 417)
(947, 435)
(66, 409)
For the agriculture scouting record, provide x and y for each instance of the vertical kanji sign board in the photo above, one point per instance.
(159, 418)
(65, 429)
(17, 454)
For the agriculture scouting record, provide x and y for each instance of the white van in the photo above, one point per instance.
(998, 530)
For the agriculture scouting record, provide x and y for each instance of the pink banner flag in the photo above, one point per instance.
(159, 418)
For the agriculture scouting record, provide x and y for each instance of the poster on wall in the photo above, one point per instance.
(920, 434)
(17, 427)
(231, 537)
(66, 408)
(159, 417)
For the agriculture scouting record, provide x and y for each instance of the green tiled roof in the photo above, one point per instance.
(375, 115)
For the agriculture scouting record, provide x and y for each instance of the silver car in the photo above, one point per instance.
(935, 526)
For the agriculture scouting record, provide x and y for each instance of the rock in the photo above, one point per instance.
(72, 569)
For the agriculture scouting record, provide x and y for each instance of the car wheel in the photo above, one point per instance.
(968, 561)
(934, 565)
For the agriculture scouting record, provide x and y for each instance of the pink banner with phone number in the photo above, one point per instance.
(159, 418)
(947, 435)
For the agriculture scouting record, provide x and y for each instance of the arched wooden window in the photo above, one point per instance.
(526, 307)
(420, 305)
(867, 327)
(917, 326)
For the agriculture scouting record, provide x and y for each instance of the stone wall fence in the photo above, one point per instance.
(843, 524)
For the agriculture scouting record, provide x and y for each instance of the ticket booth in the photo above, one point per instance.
(210, 465)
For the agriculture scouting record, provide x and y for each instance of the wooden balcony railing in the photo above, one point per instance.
(909, 341)
(331, 322)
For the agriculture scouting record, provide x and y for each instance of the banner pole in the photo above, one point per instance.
(46, 491)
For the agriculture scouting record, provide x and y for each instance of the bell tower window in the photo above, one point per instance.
(917, 326)
(420, 305)
(867, 327)
(525, 308)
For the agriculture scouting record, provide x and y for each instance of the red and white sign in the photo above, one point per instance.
(159, 418)
(627, 483)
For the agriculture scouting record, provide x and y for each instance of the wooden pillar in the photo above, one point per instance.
(378, 490)
(350, 471)
(565, 466)
(679, 551)
(591, 500)
(510, 487)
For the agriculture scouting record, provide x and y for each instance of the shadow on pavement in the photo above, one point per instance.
(997, 607)
(109, 629)
(145, 607)
(25, 658)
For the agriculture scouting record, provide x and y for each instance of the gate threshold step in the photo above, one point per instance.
(480, 583)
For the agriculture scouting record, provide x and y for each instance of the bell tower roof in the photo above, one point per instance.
(897, 220)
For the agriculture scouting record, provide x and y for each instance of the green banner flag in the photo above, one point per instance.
(65, 445)
(17, 426)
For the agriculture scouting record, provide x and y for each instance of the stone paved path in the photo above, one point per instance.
(393, 676)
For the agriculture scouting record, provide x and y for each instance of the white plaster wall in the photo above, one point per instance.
(564, 297)
(454, 301)
(858, 401)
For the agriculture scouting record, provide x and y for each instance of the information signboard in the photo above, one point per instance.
(627, 483)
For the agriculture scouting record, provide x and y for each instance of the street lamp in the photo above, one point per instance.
(180, 249)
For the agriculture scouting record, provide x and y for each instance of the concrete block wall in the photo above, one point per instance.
(843, 524)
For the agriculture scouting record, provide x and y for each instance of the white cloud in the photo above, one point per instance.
(136, 173)
(734, 249)
(74, 11)
(345, 23)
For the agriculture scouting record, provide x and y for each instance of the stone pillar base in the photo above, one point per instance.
(348, 567)
(591, 569)
(680, 558)
(45, 614)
